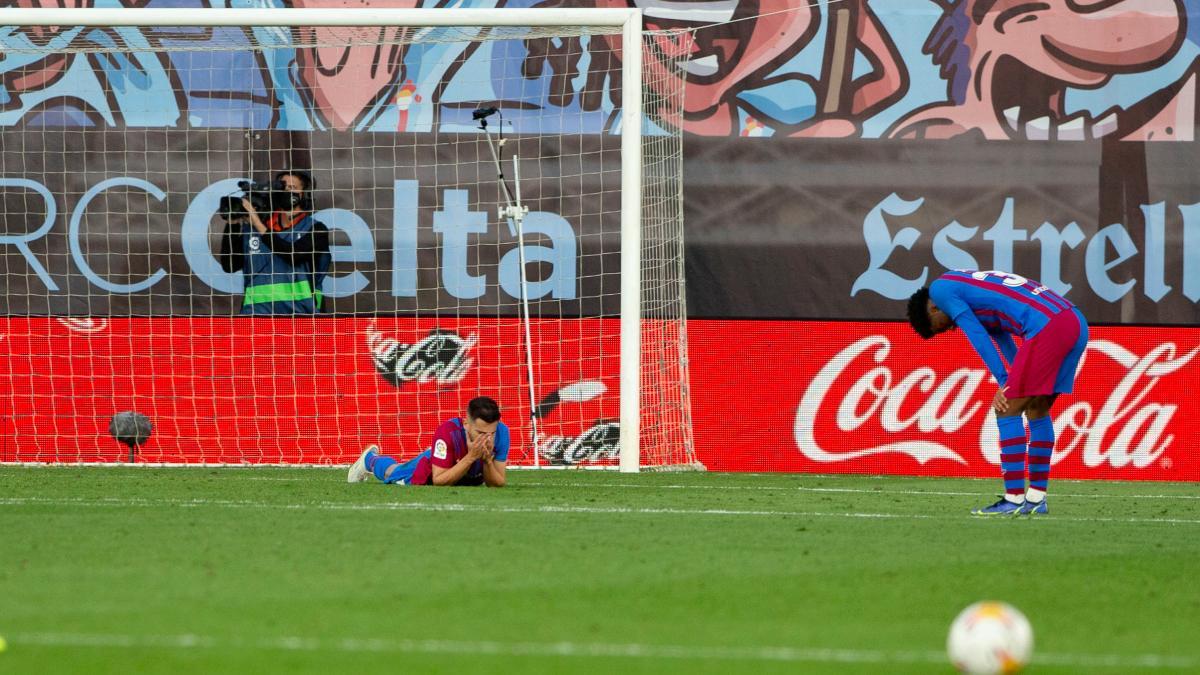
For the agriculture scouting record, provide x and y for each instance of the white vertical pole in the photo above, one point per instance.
(631, 243)
(518, 216)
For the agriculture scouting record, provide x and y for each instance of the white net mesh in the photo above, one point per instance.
(134, 281)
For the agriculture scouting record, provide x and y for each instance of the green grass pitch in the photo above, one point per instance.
(143, 570)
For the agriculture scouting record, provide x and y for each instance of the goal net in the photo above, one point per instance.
(376, 289)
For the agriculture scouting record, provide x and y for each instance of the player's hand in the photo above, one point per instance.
(1000, 402)
(476, 447)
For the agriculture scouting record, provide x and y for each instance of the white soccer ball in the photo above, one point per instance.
(989, 638)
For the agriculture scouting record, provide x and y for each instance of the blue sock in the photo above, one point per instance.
(1012, 457)
(379, 465)
(1041, 448)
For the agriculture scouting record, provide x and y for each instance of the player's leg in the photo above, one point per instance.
(394, 472)
(1032, 381)
(1012, 462)
(387, 469)
(1047, 371)
(1041, 449)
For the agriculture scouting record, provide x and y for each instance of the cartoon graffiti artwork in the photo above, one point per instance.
(262, 78)
(375, 78)
(406, 95)
(1011, 69)
(720, 50)
(346, 74)
(24, 74)
(339, 79)
(753, 69)
(848, 97)
(742, 67)
(369, 79)
(930, 69)
(60, 75)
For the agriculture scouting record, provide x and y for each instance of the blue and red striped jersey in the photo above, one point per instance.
(996, 305)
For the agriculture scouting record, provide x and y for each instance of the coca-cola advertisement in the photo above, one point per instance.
(849, 397)
(301, 390)
(802, 396)
(443, 356)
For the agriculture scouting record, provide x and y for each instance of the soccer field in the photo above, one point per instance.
(292, 570)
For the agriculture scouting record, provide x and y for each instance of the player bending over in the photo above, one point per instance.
(991, 306)
(470, 450)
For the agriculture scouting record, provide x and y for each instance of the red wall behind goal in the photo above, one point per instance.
(829, 397)
(303, 390)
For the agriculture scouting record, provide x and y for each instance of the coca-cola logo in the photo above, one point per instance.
(601, 441)
(1127, 429)
(950, 405)
(86, 325)
(82, 325)
(443, 356)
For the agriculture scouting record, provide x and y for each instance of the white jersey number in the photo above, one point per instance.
(1009, 279)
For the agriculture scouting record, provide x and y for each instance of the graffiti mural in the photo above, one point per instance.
(1063, 70)
(208, 81)
(1023, 71)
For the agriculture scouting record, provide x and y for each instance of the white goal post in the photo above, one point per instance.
(632, 313)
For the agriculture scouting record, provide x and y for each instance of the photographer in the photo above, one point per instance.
(284, 259)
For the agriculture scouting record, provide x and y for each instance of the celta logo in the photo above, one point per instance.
(457, 227)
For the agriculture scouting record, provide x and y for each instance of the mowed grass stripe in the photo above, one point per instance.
(571, 649)
(544, 509)
(529, 477)
(773, 488)
(777, 488)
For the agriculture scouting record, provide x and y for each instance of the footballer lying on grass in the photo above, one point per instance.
(996, 306)
(465, 451)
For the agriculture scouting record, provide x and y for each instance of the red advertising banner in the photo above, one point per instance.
(842, 397)
(796, 396)
(298, 390)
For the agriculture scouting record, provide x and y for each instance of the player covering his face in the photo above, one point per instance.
(469, 450)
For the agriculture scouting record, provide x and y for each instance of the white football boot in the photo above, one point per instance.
(358, 470)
